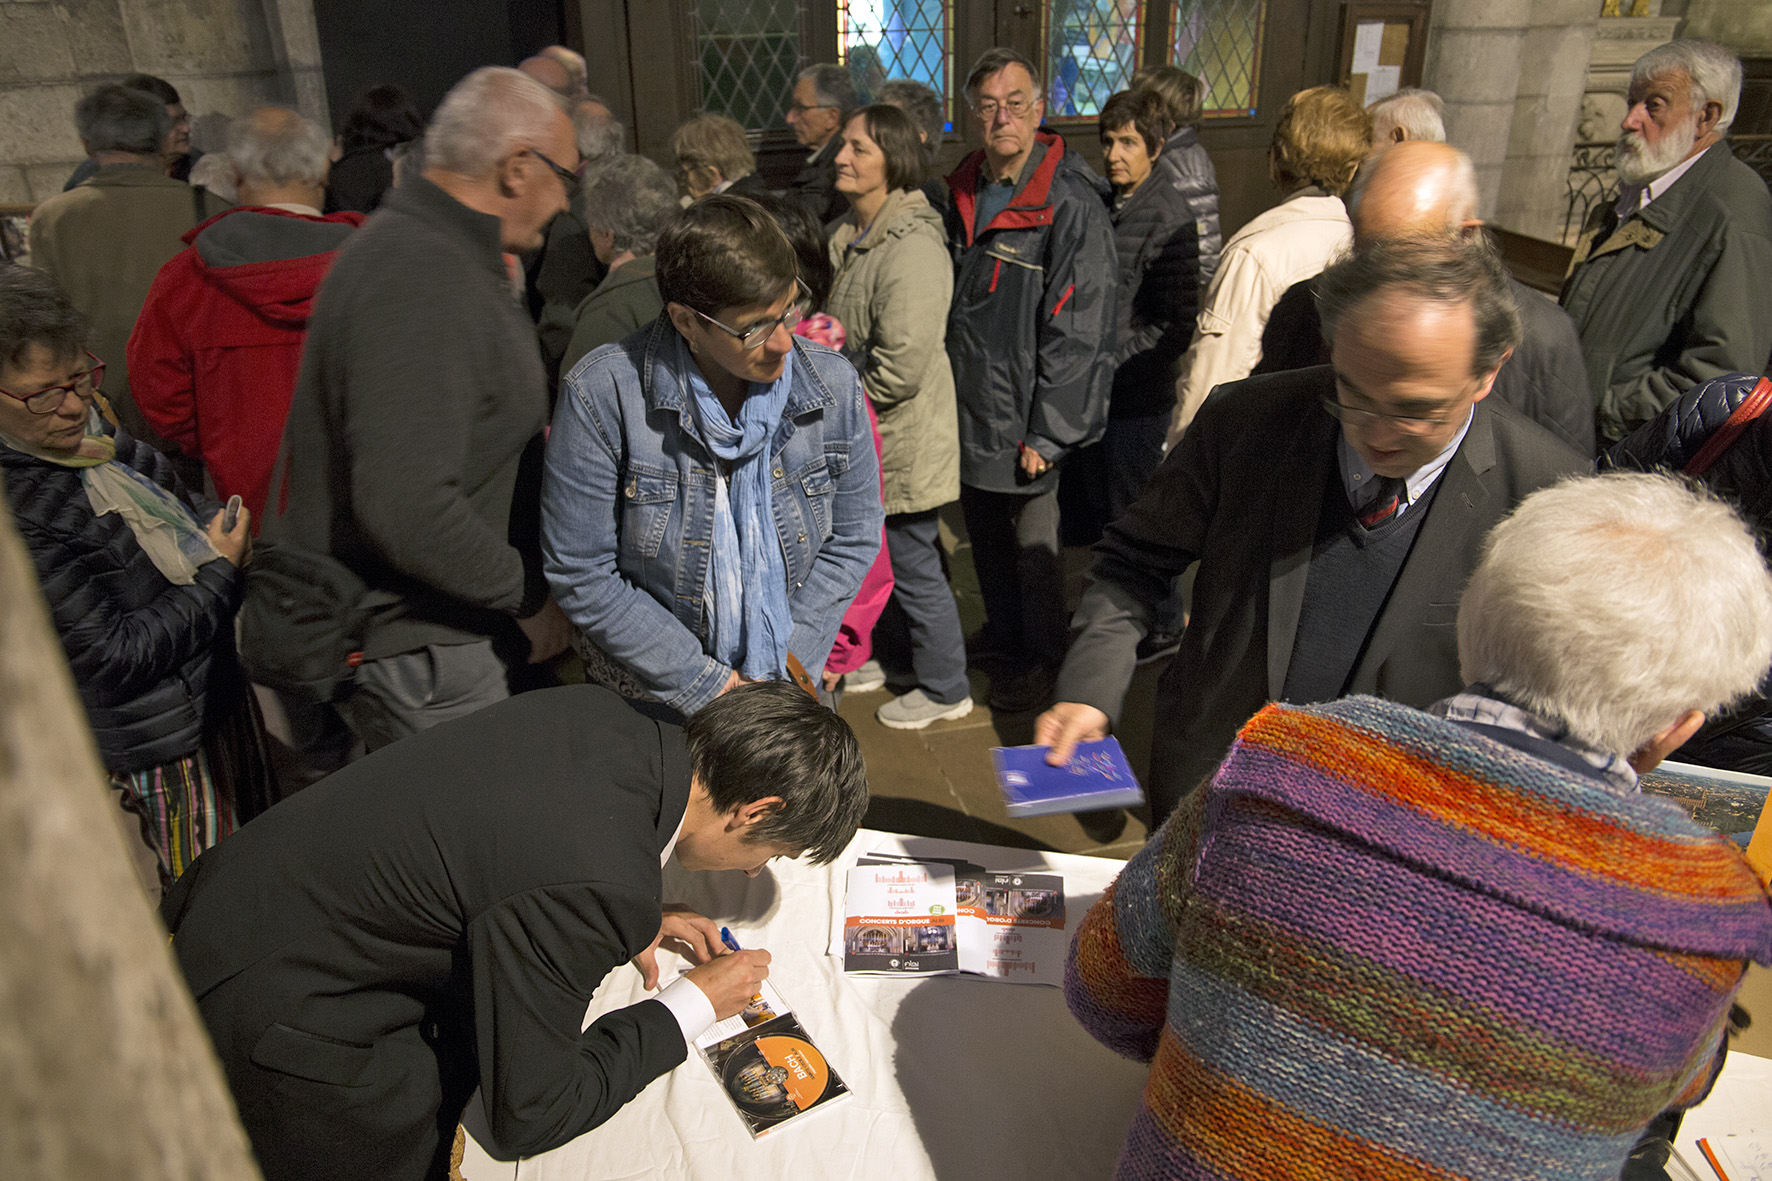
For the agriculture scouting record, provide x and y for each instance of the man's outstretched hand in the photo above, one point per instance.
(691, 934)
(731, 980)
(1065, 725)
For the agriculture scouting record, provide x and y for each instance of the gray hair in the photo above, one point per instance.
(633, 199)
(1421, 113)
(599, 135)
(1714, 73)
(574, 64)
(278, 145)
(994, 61)
(1616, 603)
(922, 104)
(486, 116)
(831, 85)
(120, 119)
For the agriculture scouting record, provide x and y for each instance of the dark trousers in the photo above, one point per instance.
(938, 648)
(1020, 571)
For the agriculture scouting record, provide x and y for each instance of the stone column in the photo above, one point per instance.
(1547, 108)
(1473, 63)
(295, 45)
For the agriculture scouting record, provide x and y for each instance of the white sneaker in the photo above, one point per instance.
(915, 710)
(866, 679)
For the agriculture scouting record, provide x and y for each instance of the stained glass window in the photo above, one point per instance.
(1219, 41)
(1091, 51)
(881, 39)
(749, 52)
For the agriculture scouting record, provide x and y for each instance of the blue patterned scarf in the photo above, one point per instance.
(747, 573)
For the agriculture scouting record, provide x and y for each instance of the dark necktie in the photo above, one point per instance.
(1383, 499)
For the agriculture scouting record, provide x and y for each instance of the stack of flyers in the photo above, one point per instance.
(768, 1065)
(900, 919)
(1010, 926)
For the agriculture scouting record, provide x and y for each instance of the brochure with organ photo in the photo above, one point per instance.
(899, 919)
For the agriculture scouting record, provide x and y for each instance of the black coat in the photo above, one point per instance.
(1544, 379)
(1241, 493)
(145, 654)
(1185, 160)
(1030, 327)
(433, 918)
(1157, 242)
(815, 185)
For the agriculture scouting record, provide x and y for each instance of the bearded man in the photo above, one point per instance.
(1665, 286)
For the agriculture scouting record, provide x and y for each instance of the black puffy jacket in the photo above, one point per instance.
(1740, 740)
(1030, 329)
(1157, 241)
(1184, 158)
(143, 652)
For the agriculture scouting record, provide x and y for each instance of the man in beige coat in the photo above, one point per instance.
(105, 239)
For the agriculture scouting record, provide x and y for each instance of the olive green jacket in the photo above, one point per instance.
(891, 294)
(1675, 295)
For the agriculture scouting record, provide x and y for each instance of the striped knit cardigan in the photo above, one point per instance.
(1379, 945)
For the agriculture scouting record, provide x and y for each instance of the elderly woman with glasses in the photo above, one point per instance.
(711, 499)
(141, 589)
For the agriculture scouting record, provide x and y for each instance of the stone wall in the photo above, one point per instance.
(224, 56)
(1743, 25)
(1473, 63)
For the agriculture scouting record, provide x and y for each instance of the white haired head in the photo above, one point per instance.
(485, 117)
(1616, 604)
(1713, 73)
(1419, 114)
(277, 146)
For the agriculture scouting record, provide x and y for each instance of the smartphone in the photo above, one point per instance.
(231, 514)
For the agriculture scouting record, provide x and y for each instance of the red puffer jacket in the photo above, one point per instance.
(213, 358)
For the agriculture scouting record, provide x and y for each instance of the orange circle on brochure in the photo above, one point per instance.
(807, 1074)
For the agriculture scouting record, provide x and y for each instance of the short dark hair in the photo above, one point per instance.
(120, 119)
(1444, 271)
(1179, 91)
(832, 85)
(631, 198)
(160, 88)
(893, 131)
(35, 310)
(921, 103)
(1141, 110)
(812, 246)
(995, 61)
(381, 117)
(771, 738)
(725, 251)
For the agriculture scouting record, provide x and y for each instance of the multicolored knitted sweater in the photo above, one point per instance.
(1379, 945)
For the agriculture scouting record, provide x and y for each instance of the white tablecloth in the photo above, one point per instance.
(951, 1077)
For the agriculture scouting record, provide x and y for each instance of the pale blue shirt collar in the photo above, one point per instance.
(1356, 476)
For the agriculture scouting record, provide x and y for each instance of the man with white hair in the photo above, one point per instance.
(216, 348)
(1666, 286)
(421, 390)
(1422, 189)
(822, 99)
(1498, 958)
(1410, 114)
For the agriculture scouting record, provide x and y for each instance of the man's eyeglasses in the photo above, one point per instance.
(1017, 106)
(802, 108)
(49, 399)
(568, 178)
(1407, 423)
(754, 336)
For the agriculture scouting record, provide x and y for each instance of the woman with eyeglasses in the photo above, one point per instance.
(892, 290)
(711, 499)
(141, 587)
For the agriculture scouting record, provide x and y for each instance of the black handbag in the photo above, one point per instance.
(302, 622)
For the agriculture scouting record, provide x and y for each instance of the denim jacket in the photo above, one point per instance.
(628, 509)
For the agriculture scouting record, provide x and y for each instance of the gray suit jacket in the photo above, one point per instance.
(1241, 494)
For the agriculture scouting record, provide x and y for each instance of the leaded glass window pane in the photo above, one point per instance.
(749, 52)
(1091, 51)
(1219, 41)
(881, 39)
